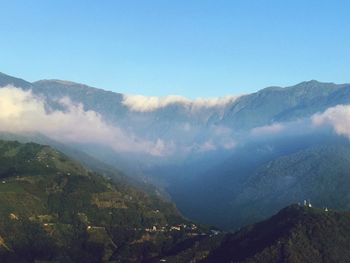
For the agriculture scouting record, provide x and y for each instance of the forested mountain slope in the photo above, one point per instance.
(52, 208)
(295, 234)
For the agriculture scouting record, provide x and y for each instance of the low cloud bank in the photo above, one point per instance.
(140, 103)
(21, 112)
(337, 117)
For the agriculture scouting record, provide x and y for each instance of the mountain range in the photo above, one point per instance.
(272, 104)
(53, 209)
(253, 153)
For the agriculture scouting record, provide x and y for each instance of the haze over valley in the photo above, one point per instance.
(174, 131)
(233, 146)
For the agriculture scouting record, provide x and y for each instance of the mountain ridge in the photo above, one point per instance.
(312, 82)
(295, 234)
(196, 143)
(54, 209)
(248, 111)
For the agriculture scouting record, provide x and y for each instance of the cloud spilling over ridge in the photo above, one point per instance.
(21, 111)
(338, 117)
(268, 129)
(142, 103)
(283, 130)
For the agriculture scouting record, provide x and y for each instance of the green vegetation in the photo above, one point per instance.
(295, 234)
(53, 209)
(320, 174)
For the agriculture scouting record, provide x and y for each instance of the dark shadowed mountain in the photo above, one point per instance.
(295, 234)
(256, 182)
(53, 209)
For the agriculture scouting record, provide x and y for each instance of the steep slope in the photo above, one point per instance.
(320, 174)
(284, 104)
(107, 103)
(260, 179)
(9, 80)
(85, 159)
(295, 234)
(52, 208)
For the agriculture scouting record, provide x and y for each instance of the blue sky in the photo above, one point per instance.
(192, 48)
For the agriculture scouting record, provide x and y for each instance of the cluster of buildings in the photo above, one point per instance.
(179, 227)
(307, 203)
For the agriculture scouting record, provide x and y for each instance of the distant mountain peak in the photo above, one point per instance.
(309, 83)
(58, 81)
(313, 83)
(296, 211)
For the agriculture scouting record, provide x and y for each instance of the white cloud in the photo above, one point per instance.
(21, 111)
(221, 130)
(142, 103)
(206, 146)
(228, 143)
(338, 117)
(267, 129)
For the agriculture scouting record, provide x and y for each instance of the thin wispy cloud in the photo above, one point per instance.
(268, 129)
(142, 103)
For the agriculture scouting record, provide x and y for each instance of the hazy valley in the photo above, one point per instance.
(224, 162)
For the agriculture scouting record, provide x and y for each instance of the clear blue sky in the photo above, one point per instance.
(191, 48)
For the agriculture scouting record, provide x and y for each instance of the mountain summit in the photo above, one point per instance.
(295, 234)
